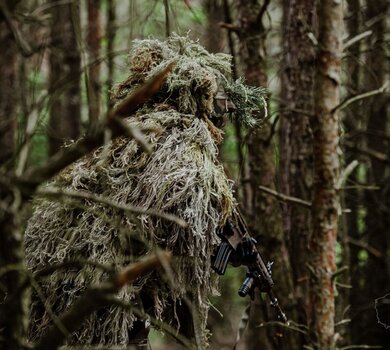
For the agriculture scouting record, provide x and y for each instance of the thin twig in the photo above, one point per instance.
(373, 251)
(356, 38)
(134, 133)
(361, 347)
(282, 324)
(382, 157)
(285, 197)
(346, 172)
(358, 97)
(54, 192)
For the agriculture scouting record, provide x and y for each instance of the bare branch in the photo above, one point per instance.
(229, 26)
(382, 157)
(346, 172)
(373, 251)
(358, 97)
(54, 192)
(356, 38)
(24, 47)
(94, 298)
(285, 197)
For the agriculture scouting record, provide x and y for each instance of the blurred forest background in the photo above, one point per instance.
(325, 225)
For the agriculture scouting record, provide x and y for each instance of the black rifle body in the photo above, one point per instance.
(239, 248)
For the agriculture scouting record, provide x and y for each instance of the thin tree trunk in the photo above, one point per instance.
(8, 90)
(93, 45)
(377, 223)
(265, 215)
(215, 38)
(64, 84)
(352, 121)
(325, 204)
(296, 158)
(110, 35)
(12, 298)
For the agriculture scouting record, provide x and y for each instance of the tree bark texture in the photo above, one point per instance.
(215, 36)
(93, 45)
(296, 150)
(12, 310)
(110, 36)
(8, 89)
(325, 203)
(265, 215)
(377, 272)
(64, 81)
(352, 197)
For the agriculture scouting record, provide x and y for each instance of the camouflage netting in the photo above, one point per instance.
(181, 176)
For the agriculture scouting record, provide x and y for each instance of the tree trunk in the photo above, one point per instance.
(8, 89)
(296, 157)
(12, 298)
(377, 222)
(110, 36)
(215, 38)
(352, 121)
(64, 84)
(325, 203)
(265, 220)
(93, 45)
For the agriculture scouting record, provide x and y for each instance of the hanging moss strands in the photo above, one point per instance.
(181, 176)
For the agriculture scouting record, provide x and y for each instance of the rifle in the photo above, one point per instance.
(239, 248)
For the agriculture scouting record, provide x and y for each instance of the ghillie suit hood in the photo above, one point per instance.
(181, 176)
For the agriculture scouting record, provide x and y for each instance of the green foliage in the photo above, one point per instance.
(362, 256)
(250, 102)
(39, 149)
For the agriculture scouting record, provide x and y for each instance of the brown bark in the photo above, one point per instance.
(352, 119)
(8, 88)
(265, 215)
(110, 36)
(93, 46)
(12, 298)
(64, 84)
(377, 272)
(296, 159)
(325, 203)
(215, 38)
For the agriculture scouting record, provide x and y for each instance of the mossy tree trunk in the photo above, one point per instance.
(64, 84)
(265, 219)
(325, 202)
(296, 140)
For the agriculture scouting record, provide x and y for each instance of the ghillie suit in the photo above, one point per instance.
(181, 176)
